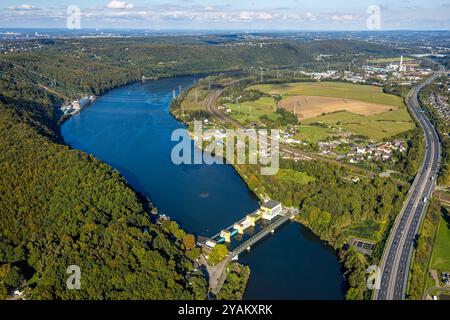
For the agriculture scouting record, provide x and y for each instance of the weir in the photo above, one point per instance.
(271, 211)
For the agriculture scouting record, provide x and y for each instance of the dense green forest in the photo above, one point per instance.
(61, 207)
(331, 205)
(92, 67)
(234, 286)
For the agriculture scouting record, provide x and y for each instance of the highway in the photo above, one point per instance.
(396, 259)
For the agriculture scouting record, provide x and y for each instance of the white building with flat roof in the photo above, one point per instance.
(270, 209)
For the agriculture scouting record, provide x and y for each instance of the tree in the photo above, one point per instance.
(13, 278)
(218, 253)
(189, 242)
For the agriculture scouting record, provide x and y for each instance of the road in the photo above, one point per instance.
(397, 254)
(211, 106)
(427, 294)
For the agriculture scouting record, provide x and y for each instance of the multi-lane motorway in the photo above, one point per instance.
(399, 247)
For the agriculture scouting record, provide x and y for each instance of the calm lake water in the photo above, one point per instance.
(130, 129)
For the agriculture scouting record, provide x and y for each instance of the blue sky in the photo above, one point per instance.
(236, 14)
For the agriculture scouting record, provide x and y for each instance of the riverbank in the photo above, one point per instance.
(337, 214)
(244, 175)
(135, 139)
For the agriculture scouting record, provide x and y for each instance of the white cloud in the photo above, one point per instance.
(343, 17)
(23, 7)
(310, 16)
(115, 4)
(248, 15)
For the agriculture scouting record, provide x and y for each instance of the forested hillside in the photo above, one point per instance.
(92, 67)
(61, 207)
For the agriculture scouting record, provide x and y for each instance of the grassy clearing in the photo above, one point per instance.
(289, 176)
(366, 93)
(441, 252)
(192, 102)
(368, 230)
(379, 130)
(251, 111)
(376, 127)
(313, 134)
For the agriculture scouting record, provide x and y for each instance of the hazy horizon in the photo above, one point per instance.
(288, 15)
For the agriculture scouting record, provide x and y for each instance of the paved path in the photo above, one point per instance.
(428, 293)
(217, 274)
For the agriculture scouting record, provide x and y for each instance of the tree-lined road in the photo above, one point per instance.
(397, 254)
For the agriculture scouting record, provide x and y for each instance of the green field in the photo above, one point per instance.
(312, 134)
(441, 252)
(251, 111)
(391, 60)
(376, 127)
(366, 93)
(195, 100)
(290, 176)
(368, 230)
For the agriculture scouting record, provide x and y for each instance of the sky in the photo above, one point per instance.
(228, 15)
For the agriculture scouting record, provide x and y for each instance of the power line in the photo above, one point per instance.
(26, 69)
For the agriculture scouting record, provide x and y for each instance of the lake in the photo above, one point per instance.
(130, 129)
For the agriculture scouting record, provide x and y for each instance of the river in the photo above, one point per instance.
(130, 128)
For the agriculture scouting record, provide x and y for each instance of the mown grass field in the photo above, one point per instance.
(251, 111)
(290, 176)
(366, 93)
(376, 127)
(312, 134)
(441, 252)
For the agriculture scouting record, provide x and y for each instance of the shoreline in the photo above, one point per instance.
(236, 169)
(146, 202)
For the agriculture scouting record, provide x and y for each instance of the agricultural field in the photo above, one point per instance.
(376, 127)
(360, 109)
(306, 107)
(441, 259)
(365, 93)
(313, 134)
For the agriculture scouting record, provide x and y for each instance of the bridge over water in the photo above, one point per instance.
(278, 216)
